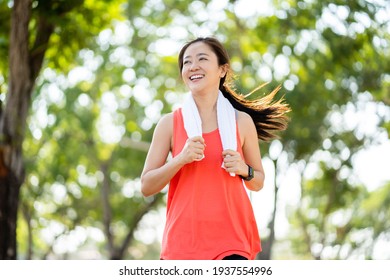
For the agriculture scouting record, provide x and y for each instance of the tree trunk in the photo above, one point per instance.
(27, 216)
(12, 126)
(118, 252)
(24, 66)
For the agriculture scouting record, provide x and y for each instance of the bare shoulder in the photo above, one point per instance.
(244, 120)
(164, 125)
(162, 135)
(246, 127)
(166, 121)
(161, 143)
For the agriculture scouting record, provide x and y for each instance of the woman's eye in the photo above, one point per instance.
(202, 58)
(186, 62)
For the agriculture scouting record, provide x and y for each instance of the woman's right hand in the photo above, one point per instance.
(193, 150)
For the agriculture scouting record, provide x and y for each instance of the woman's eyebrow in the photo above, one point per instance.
(199, 54)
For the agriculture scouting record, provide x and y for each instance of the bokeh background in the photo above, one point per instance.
(101, 73)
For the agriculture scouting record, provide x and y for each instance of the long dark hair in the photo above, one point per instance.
(269, 116)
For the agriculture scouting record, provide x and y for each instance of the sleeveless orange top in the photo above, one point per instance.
(209, 214)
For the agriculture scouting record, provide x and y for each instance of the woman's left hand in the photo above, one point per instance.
(233, 162)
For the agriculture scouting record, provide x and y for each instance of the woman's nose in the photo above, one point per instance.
(194, 66)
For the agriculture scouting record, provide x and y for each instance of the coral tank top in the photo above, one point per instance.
(209, 214)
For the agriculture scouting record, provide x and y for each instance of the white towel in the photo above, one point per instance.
(226, 117)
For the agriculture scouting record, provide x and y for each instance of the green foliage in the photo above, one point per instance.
(4, 45)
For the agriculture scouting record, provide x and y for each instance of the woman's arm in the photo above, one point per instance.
(251, 153)
(157, 172)
(156, 175)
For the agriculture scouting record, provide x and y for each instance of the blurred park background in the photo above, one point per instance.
(83, 83)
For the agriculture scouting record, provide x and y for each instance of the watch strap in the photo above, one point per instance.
(250, 174)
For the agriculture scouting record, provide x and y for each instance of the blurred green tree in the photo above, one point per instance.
(34, 28)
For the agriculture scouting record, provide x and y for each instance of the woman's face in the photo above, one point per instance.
(201, 72)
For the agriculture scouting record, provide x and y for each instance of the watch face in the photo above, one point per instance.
(250, 172)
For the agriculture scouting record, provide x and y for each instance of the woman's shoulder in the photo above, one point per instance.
(166, 120)
(244, 118)
(164, 127)
(167, 116)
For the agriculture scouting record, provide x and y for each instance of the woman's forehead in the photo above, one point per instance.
(197, 49)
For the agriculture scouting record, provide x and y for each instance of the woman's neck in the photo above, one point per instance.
(206, 102)
(207, 108)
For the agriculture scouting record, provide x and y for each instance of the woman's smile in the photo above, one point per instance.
(196, 77)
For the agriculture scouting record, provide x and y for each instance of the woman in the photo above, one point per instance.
(209, 214)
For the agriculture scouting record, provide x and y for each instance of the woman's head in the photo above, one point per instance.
(217, 48)
(268, 116)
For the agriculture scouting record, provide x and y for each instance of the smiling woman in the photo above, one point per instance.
(213, 139)
(200, 69)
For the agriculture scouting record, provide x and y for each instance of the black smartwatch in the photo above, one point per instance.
(250, 174)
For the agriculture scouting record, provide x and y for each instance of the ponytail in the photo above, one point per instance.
(269, 116)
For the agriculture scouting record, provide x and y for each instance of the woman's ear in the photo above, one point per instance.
(224, 69)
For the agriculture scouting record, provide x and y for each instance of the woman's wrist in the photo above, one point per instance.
(249, 174)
